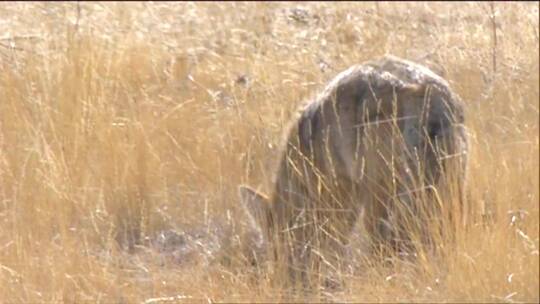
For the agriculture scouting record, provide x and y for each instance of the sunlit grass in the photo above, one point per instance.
(122, 120)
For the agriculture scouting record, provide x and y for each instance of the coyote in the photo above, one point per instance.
(378, 133)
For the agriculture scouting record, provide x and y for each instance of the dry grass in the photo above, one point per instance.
(121, 120)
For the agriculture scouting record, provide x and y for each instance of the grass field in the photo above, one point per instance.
(119, 121)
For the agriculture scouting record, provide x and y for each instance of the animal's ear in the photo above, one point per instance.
(255, 203)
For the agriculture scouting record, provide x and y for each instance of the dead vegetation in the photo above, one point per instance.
(123, 125)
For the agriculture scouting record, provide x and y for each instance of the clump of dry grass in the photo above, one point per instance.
(121, 120)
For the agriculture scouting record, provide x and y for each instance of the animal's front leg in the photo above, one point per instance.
(377, 225)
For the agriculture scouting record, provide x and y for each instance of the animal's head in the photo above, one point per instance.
(266, 221)
(257, 207)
